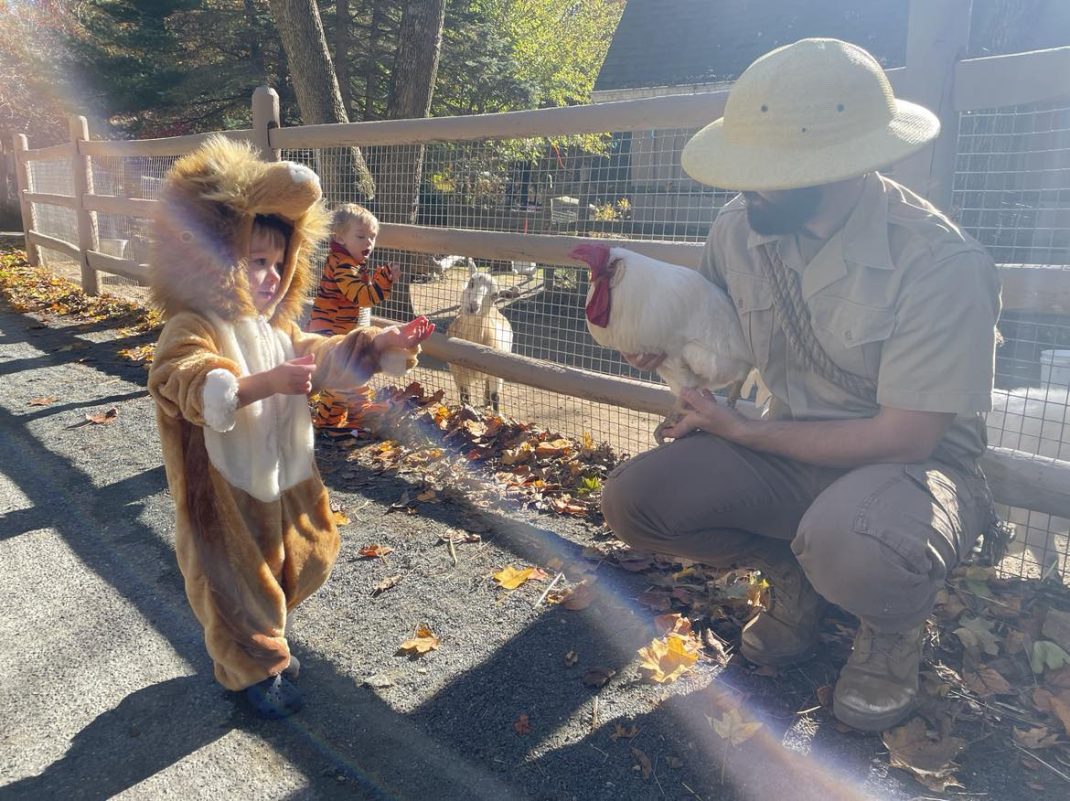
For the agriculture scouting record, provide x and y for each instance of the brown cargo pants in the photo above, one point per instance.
(877, 541)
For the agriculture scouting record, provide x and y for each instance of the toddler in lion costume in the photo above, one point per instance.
(255, 534)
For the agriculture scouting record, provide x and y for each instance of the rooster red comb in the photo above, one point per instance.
(599, 302)
(594, 256)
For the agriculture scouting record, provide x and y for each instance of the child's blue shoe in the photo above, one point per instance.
(274, 698)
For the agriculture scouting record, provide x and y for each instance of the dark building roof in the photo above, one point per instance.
(681, 42)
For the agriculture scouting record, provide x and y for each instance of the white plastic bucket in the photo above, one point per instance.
(1055, 368)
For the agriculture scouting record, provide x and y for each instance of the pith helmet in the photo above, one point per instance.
(809, 113)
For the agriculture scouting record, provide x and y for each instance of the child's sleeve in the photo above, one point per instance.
(348, 360)
(190, 378)
(353, 282)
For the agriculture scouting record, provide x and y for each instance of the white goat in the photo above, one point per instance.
(1034, 421)
(480, 321)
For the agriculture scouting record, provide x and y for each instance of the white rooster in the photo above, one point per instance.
(637, 304)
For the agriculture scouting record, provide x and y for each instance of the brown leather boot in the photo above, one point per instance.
(878, 686)
(786, 632)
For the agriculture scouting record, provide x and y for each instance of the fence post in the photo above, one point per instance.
(88, 236)
(25, 184)
(938, 35)
(265, 118)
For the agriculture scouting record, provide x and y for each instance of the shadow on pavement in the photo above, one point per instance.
(148, 731)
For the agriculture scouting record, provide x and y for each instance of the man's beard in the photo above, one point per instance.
(788, 214)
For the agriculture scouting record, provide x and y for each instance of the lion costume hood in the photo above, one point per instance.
(254, 530)
(205, 222)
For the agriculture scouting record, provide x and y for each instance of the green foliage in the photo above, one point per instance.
(166, 67)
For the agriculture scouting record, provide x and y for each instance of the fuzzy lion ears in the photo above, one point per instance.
(231, 173)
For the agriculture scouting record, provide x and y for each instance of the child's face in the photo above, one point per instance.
(264, 269)
(359, 239)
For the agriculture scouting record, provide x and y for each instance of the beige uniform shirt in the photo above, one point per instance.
(899, 294)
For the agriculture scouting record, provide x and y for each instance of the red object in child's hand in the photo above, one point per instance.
(417, 330)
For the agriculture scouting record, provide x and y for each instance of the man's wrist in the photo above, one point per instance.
(743, 430)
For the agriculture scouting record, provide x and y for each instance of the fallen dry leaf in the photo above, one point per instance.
(579, 597)
(1046, 655)
(424, 641)
(673, 623)
(642, 762)
(598, 676)
(557, 447)
(340, 518)
(668, 658)
(375, 551)
(986, 682)
(620, 731)
(103, 418)
(1036, 737)
(928, 757)
(427, 495)
(522, 725)
(456, 536)
(48, 400)
(976, 635)
(1060, 708)
(571, 658)
(733, 728)
(824, 695)
(510, 578)
(386, 584)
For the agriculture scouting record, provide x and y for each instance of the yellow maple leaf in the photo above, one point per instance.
(667, 659)
(340, 519)
(511, 578)
(424, 641)
(734, 728)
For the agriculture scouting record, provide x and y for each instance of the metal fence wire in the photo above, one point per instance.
(1011, 192)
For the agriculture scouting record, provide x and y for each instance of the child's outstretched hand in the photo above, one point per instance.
(404, 337)
(393, 272)
(293, 377)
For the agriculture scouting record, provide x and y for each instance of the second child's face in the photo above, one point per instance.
(264, 270)
(359, 239)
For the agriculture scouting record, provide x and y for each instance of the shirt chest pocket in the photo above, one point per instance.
(852, 334)
(753, 299)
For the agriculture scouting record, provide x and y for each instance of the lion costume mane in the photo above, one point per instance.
(254, 531)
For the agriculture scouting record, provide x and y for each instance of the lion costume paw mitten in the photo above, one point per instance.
(255, 534)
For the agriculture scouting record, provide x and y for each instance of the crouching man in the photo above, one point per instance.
(871, 317)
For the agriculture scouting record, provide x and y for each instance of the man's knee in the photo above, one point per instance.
(622, 499)
(864, 550)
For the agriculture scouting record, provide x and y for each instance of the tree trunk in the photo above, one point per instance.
(371, 71)
(316, 87)
(415, 70)
(342, 29)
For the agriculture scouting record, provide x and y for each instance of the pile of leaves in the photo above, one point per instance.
(37, 290)
(491, 458)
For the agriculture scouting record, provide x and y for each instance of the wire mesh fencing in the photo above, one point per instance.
(1012, 193)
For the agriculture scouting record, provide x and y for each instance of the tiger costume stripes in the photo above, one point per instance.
(346, 287)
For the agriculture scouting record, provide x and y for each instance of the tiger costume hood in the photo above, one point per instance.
(204, 223)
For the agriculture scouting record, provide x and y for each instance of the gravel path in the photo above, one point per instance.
(106, 690)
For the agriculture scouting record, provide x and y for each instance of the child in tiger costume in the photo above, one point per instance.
(254, 531)
(347, 291)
